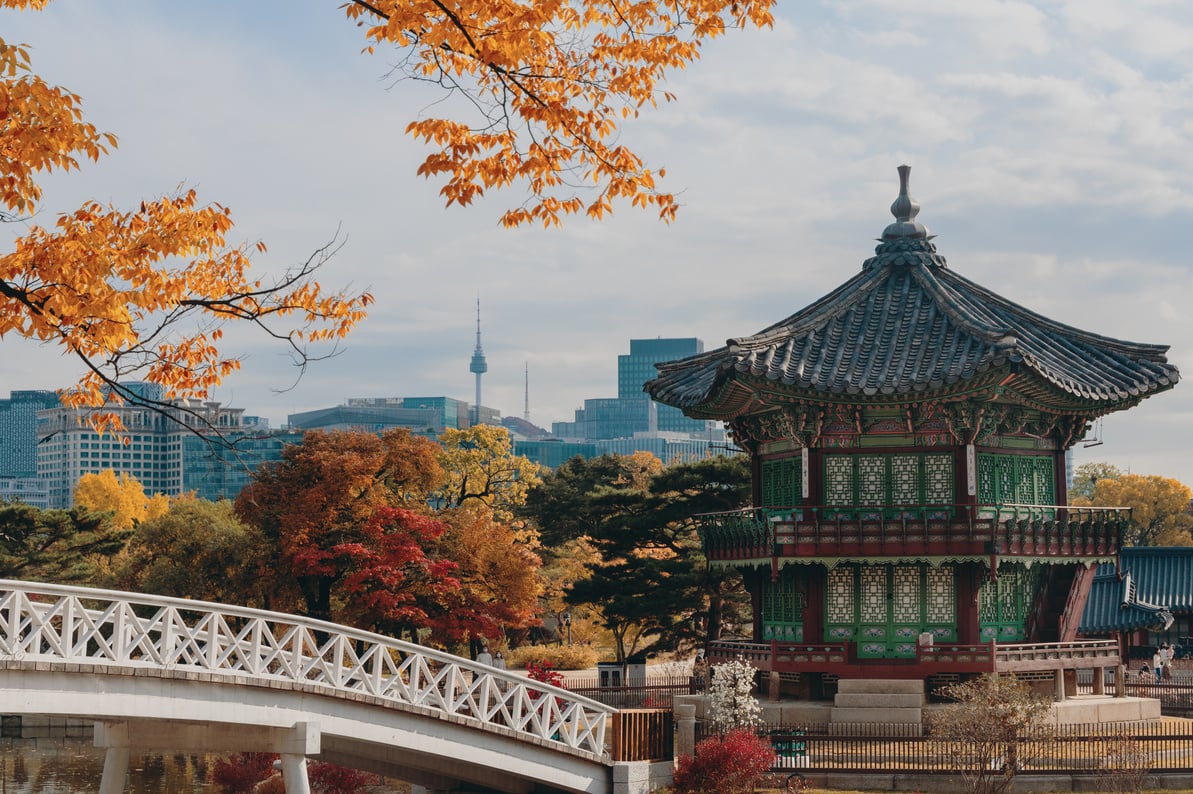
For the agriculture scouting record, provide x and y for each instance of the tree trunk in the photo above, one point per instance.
(713, 619)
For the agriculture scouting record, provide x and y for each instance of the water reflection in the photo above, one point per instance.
(77, 767)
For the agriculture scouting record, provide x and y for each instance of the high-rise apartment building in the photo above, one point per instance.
(173, 450)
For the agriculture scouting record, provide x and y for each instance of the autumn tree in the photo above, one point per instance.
(1159, 508)
(497, 570)
(144, 293)
(1087, 475)
(551, 84)
(119, 495)
(348, 534)
(197, 549)
(389, 579)
(480, 468)
(66, 546)
(313, 508)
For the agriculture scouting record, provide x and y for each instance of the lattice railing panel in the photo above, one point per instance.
(81, 626)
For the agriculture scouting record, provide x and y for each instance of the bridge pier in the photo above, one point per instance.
(293, 744)
(115, 771)
(294, 774)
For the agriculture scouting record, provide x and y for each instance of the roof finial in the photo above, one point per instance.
(905, 209)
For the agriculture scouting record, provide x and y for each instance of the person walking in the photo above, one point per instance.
(484, 657)
(1158, 662)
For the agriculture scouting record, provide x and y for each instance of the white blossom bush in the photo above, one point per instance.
(732, 703)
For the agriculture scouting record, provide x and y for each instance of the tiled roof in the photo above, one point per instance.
(1114, 604)
(907, 326)
(1162, 574)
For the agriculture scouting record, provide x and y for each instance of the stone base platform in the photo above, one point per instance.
(1076, 710)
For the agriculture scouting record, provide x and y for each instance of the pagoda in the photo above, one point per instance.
(907, 435)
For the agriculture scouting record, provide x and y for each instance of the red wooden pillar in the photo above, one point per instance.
(815, 577)
(968, 582)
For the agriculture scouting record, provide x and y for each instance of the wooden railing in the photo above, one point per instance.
(972, 530)
(1057, 655)
(643, 735)
(939, 657)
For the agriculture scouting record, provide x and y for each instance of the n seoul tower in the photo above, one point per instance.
(478, 366)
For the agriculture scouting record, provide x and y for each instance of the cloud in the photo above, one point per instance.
(1047, 139)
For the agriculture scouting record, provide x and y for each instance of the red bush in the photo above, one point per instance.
(544, 672)
(724, 764)
(238, 773)
(332, 779)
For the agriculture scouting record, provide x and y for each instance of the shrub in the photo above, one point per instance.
(731, 701)
(544, 672)
(726, 764)
(561, 657)
(987, 727)
(332, 779)
(239, 772)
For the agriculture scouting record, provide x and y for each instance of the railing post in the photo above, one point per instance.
(685, 729)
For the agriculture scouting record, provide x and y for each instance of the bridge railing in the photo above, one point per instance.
(104, 628)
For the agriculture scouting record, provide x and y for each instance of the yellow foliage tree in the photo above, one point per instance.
(481, 468)
(1159, 507)
(552, 82)
(142, 293)
(122, 496)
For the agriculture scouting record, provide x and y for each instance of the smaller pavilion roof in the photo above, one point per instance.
(1114, 605)
(909, 328)
(1162, 575)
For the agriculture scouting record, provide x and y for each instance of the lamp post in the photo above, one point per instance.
(567, 621)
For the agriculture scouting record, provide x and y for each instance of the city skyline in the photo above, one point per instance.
(1046, 138)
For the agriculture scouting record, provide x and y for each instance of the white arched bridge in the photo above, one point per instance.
(159, 673)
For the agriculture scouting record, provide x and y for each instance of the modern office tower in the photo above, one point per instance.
(449, 412)
(159, 447)
(613, 417)
(424, 416)
(372, 415)
(18, 431)
(216, 471)
(633, 412)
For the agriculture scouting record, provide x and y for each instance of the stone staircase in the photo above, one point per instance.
(872, 703)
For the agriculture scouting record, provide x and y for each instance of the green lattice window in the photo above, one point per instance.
(883, 608)
(783, 610)
(941, 596)
(1021, 479)
(888, 479)
(782, 482)
(840, 599)
(1003, 604)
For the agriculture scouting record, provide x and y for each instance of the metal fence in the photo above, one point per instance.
(1175, 696)
(1070, 749)
(654, 692)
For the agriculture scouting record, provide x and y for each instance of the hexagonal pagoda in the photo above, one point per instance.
(907, 434)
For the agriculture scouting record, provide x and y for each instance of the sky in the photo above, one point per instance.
(1049, 145)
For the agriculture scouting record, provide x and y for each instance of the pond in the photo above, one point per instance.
(67, 767)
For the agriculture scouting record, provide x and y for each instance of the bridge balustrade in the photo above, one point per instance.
(109, 629)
